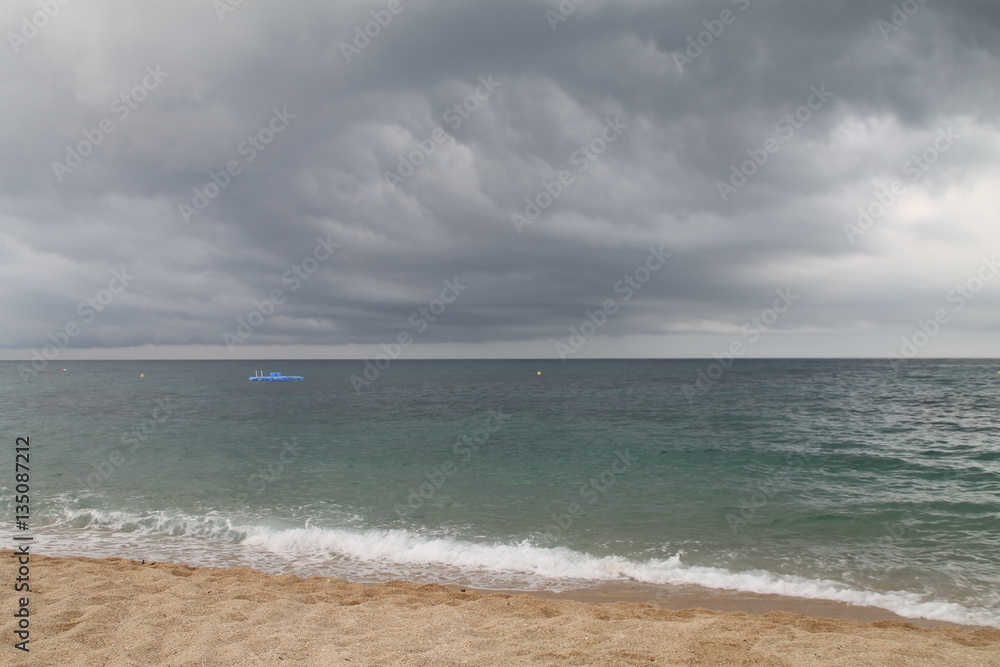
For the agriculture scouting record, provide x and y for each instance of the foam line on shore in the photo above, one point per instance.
(549, 567)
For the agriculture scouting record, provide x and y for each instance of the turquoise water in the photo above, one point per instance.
(845, 480)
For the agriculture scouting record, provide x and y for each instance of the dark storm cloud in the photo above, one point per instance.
(228, 150)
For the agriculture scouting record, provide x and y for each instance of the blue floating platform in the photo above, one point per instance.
(275, 377)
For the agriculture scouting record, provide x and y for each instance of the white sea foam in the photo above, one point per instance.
(402, 553)
(559, 563)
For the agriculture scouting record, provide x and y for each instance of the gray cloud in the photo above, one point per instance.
(228, 85)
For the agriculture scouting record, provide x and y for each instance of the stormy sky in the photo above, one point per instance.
(527, 178)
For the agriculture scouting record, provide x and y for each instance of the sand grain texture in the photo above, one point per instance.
(100, 612)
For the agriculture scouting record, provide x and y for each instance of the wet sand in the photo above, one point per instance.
(114, 611)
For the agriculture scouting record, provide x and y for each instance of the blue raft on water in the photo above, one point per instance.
(275, 376)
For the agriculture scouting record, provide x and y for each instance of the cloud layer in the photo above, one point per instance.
(358, 158)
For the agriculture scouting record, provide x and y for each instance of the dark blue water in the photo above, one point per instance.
(848, 480)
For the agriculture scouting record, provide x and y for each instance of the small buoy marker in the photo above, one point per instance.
(142, 375)
(539, 372)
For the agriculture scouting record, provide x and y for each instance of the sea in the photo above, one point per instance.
(868, 482)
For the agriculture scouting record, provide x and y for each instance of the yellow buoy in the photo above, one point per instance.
(142, 375)
(539, 372)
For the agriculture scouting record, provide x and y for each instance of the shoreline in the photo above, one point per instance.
(668, 596)
(680, 598)
(115, 611)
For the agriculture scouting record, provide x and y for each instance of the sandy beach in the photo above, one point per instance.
(114, 611)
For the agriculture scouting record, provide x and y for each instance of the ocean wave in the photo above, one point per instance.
(560, 563)
(405, 551)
